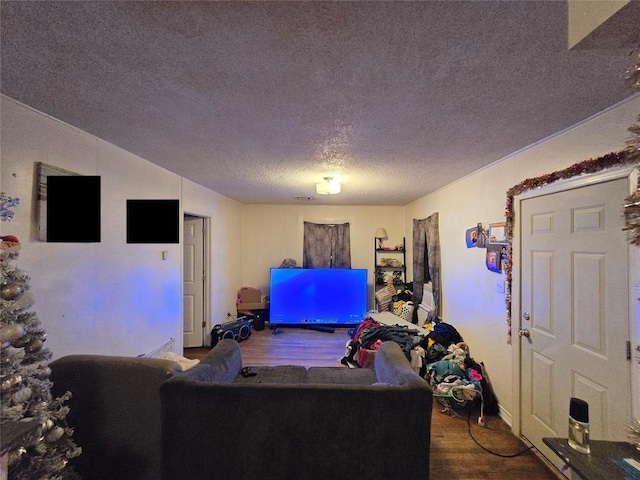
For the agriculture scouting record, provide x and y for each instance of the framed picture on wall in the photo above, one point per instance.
(59, 193)
(471, 237)
(497, 232)
(494, 257)
(43, 171)
(476, 236)
(143, 225)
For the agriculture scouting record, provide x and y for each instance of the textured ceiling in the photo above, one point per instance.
(260, 100)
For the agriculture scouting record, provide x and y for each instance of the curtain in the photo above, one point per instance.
(326, 246)
(426, 262)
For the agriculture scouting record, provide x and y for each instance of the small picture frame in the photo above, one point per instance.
(476, 237)
(494, 259)
(497, 233)
(471, 237)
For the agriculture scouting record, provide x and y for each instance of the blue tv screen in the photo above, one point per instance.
(317, 296)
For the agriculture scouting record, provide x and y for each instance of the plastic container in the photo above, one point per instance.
(579, 425)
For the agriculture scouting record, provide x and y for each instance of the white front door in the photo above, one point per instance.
(575, 306)
(193, 282)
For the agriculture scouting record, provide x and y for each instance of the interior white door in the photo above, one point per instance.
(193, 282)
(574, 304)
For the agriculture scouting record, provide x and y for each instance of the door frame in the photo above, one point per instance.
(206, 287)
(629, 172)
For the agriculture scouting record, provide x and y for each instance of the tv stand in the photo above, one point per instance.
(319, 328)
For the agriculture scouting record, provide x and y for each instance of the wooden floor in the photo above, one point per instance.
(454, 453)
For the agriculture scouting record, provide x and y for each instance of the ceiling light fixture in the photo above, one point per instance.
(330, 186)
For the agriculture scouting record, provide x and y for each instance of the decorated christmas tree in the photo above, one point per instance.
(25, 389)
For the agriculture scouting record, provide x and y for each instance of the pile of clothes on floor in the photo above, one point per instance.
(369, 334)
(436, 351)
(456, 378)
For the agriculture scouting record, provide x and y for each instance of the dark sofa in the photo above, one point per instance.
(289, 422)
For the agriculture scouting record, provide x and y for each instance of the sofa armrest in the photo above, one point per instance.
(115, 412)
(392, 366)
(221, 365)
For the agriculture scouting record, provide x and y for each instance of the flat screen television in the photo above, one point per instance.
(317, 296)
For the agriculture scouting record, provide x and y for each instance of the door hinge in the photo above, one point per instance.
(628, 350)
(204, 324)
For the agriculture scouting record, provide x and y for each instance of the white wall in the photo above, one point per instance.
(470, 300)
(274, 232)
(109, 297)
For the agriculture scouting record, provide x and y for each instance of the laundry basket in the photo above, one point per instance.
(407, 311)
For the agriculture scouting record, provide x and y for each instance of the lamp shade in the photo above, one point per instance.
(330, 186)
(381, 233)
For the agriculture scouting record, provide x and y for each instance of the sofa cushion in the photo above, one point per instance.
(340, 375)
(285, 374)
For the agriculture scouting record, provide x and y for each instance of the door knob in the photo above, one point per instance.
(524, 332)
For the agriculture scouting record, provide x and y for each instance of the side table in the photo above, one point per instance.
(607, 460)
